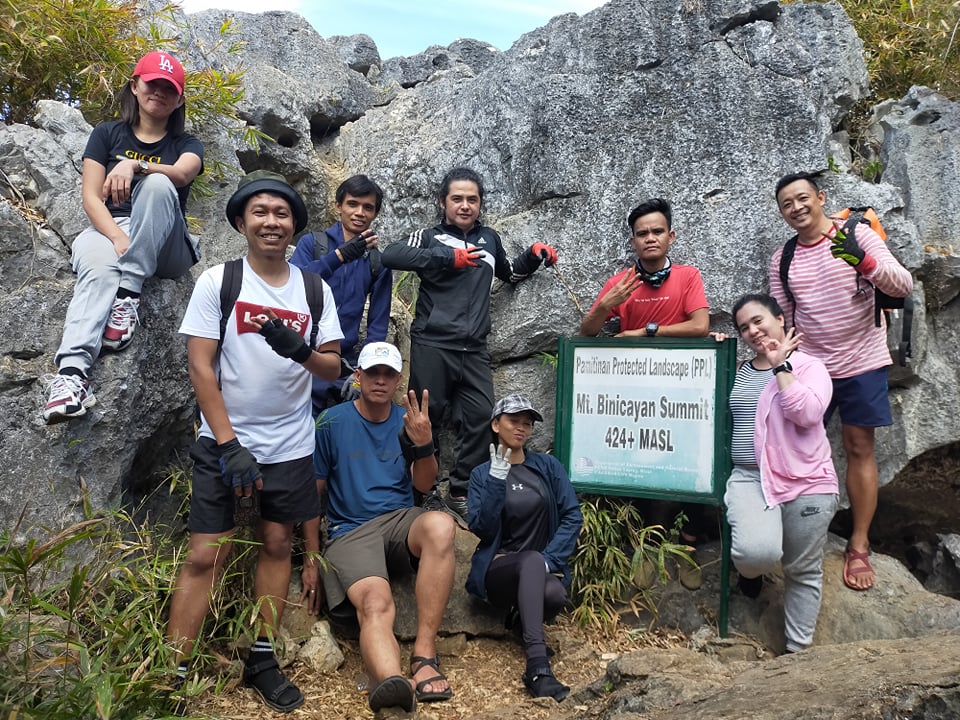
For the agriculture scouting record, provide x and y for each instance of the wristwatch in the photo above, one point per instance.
(785, 366)
(143, 167)
(652, 328)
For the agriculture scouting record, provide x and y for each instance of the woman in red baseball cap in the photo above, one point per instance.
(137, 173)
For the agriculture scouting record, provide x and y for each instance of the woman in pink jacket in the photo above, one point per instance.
(782, 492)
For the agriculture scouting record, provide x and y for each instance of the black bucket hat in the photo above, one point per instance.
(265, 181)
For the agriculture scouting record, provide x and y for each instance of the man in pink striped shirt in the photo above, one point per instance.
(830, 279)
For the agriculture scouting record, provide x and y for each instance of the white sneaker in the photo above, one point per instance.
(123, 321)
(69, 397)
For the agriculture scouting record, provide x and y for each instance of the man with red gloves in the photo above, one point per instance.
(457, 260)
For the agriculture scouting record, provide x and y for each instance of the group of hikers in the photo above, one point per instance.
(298, 419)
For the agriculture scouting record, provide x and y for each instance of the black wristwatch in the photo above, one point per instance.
(143, 167)
(652, 328)
(785, 366)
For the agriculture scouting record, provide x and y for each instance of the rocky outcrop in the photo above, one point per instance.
(704, 103)
(866, 681)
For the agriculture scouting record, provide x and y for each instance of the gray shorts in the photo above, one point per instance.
(378, 548)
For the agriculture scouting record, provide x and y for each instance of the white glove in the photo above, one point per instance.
(499, 462)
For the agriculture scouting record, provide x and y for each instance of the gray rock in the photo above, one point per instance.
(862, 681)
(321, 652)
(358, 51)
(897, 607)
(705, 103)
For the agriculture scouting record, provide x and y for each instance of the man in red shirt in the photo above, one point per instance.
(653, 297)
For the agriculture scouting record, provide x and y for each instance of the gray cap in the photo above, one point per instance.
(513, 404)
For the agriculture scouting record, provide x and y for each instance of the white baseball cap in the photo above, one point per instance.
(380, 353)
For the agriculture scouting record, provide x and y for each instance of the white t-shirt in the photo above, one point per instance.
(267, 396)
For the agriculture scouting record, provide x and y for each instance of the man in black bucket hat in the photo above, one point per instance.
(252, 378)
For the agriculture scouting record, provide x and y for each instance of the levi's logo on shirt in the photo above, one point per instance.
(245, 311)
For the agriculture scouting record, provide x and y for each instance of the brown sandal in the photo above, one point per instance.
(433, 696)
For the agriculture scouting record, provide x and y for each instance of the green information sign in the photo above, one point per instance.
(646, 417)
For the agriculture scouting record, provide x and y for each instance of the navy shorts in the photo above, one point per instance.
(289, 494)
(863, 400)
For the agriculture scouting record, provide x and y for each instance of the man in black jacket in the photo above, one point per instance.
(456, 261)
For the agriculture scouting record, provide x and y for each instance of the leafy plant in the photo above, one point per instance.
(83, 615)
(614, 545)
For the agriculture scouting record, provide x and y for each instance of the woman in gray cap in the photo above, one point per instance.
(527, 516)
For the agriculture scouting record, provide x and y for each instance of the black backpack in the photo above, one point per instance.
(852, 217)
(230, 291)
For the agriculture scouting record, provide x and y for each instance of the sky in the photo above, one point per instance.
(407, 27)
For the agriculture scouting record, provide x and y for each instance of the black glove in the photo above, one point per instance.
(238, 467)
(354, 249)
(845, 246)
(286, 342)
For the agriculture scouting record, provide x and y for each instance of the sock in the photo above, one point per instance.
(124, 293)
(261, 650)
(76, 372)
(182, 670)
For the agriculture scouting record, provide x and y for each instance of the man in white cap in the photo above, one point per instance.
(370, 455)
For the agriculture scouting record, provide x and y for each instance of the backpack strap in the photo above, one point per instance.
(229, 292)
(906, 347)
(786, 257)
(320, 245)
(313, 285)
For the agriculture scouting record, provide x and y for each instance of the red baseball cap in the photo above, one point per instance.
(160, 66)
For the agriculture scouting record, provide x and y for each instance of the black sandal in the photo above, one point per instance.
(436, 695)
(394, 691)
(271, 685)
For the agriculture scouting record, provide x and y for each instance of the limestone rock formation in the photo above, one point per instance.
(705, 103)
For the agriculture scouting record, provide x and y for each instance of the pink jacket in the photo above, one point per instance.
(789, 436)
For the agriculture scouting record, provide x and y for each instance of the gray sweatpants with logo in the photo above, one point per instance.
(159, 245)
(792, 534)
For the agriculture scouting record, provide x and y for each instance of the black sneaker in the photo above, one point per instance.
(750, 587)
(540, 682)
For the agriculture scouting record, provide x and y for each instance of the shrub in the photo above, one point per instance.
(613, 545)
(85, 639)
(909, 42)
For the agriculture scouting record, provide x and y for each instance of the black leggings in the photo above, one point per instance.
(522, 579)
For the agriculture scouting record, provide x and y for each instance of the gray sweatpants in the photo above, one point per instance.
(159, 245)
(792, 534)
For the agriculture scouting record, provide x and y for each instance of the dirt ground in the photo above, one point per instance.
(484, 674)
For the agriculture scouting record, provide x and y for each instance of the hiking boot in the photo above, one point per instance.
(123, 321)
(69, 397)
(540, 682)
(458, 505)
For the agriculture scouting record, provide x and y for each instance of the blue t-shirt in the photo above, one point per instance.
(362, 463)
(115, 138)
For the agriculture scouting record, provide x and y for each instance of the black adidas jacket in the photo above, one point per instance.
(453, 306)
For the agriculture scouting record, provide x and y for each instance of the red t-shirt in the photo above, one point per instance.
(671, 303)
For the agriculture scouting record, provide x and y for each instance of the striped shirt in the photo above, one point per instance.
(747, 386)
(835, 317)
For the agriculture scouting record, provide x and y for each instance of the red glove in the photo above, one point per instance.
(546, 253)
(466, 257)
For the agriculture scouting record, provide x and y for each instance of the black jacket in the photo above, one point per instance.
(453, 306)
